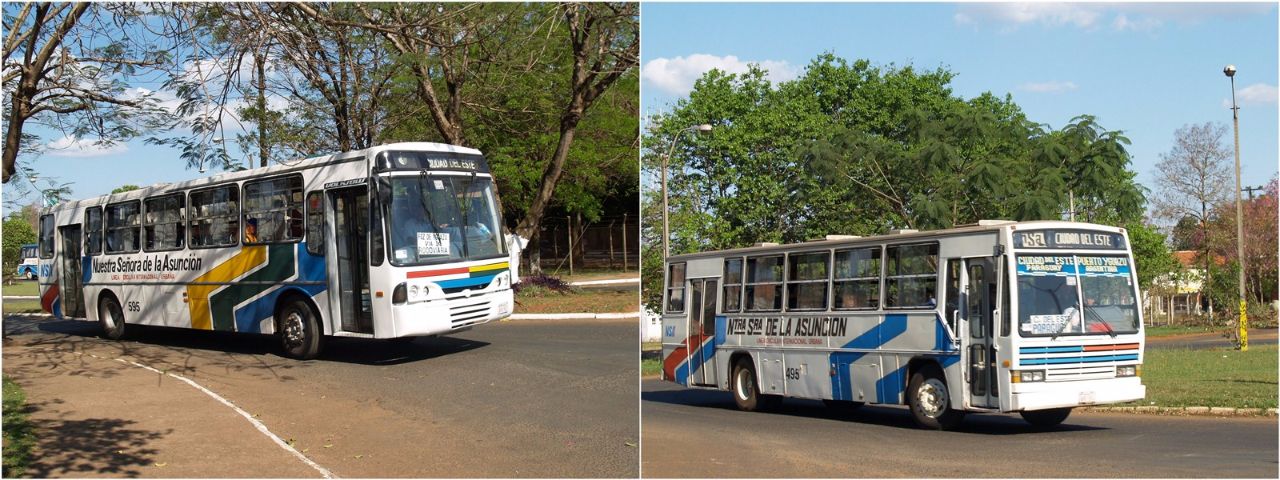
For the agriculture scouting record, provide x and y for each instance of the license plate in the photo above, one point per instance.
(504, 308)
(1086, 398)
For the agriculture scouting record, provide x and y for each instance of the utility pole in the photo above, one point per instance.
(1251, 190)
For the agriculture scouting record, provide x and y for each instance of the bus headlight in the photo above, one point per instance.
(1127, 371)
(398, 295)
(1027, 376)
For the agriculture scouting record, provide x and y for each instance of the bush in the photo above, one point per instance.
(541, 285)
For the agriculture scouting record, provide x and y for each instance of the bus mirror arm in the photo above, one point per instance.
(955, 320)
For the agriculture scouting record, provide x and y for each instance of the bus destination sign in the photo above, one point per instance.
(1068, 239)
(434, 161)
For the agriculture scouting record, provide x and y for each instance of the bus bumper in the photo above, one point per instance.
(442, 317)
(1042, 395)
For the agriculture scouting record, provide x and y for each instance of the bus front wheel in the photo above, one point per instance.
(1046, 418)
(111, 317)
(930, 400)
(299, 331)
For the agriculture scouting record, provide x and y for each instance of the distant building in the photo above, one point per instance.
(1181, 292)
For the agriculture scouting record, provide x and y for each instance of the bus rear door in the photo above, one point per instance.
(72, 276)
(702, 329)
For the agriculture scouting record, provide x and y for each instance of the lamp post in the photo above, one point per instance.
(666, 232)
(1230, 72)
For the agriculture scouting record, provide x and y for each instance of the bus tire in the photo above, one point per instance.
(31, 275)
(299, 330)
(746, 390)
(111, 317)
(930, 400)
(1045, 418)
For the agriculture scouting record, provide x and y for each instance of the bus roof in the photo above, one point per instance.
(898, 236)
(335, 158)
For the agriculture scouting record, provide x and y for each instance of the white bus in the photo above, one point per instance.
(393, 241)
(1032, 317)
(30, 265)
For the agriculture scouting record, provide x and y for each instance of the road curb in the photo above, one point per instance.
(1199, 411)
(573, 316)
(21, 297)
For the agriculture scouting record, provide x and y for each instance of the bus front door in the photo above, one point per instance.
(702, 327)
(350, 208)
(72, 276)
(979, 308)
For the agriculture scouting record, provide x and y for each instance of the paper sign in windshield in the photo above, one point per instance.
(431, 243)
(1042, 324)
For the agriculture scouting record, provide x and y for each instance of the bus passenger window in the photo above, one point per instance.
(807, 281)
(912, 276)
(164, 223)
(857, 279)
(733, 284)
(123, 227)
(270, 210)
(315, 223)
(675, 288)
(764, 283)
(215, 217)
(46, 237)
(93, 231)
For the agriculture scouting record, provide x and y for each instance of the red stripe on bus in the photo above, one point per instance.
(1105, 348)
(434, 273)
(46, 300)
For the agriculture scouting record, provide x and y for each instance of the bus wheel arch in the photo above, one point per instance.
(110, 315)
(929, 396)
(297, 325)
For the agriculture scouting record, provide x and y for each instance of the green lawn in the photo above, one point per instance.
(1211, 378)
(650, 366)
(1170, 330)
(22, 288)
(18, 439)
(22, 306)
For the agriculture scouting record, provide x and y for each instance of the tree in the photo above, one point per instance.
(1260, 246)
(62, 69)
(124, 188)
(17, 232)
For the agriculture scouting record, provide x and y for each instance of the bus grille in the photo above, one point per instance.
(1078, 362)
(468, 314)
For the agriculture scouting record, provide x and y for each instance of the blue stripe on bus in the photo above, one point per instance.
(466, 282)
(890, 328)
(1027, 350)
(310, 268)
(86, 269)
(1057, 360)
(889, 389)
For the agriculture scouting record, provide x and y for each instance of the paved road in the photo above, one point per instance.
(1202, 341)
(512, 399)
(698, 433)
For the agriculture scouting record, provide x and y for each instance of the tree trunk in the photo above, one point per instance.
(262, 109)
(535, 252)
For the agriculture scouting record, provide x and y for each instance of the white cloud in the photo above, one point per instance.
(1138, 17)
(1048, 87)
(1256, 94)
(677, 75)
(70, 146)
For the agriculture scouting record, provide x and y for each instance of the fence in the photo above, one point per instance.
(568, 244)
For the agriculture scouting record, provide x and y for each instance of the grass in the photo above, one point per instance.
(1171, 330)
(650, 366)
(21, 306)
(541, 300)
(18, 438)
(1211, 378)
(22, 288)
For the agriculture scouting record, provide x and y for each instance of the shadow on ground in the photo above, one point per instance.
(883, 415)
(94, 446)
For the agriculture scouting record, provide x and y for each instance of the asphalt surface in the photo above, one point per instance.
(1209, 340)
(699, 433)
(510, 399)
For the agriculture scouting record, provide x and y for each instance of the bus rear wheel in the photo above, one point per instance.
(746, 392)
(930, 400)
(1046, 418)
(111, 317)
(299, 331)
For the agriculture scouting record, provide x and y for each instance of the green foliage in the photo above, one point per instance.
(1150, 253)
(125, 188)
(852, 148)
(17, 232)
(1211, 378)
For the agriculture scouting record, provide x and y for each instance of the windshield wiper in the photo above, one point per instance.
(1100, 320)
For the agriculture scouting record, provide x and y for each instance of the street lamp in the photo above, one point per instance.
(1230, 72)
(703, 128)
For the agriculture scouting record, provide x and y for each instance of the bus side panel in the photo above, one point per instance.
(675, 355)
(807, 375)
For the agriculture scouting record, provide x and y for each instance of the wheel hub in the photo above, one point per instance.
(744, 384)
(293, 329)
(933, 397)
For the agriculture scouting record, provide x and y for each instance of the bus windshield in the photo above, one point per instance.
(443, 218)
(1050, 289)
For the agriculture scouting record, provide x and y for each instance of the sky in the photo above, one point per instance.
(1146, 69)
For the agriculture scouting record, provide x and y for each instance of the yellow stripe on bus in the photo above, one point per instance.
(491, 266)
(241, 263)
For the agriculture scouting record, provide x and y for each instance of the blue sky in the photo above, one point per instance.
(1146, 69)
